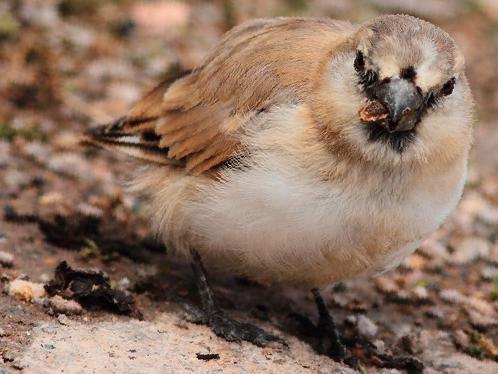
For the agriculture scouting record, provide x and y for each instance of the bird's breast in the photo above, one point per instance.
(275, 221)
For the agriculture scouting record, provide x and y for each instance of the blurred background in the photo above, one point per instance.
(68, 64)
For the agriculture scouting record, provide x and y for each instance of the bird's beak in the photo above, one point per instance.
(403, 102)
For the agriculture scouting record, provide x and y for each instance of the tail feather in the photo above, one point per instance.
(123, 136)
(135, 134)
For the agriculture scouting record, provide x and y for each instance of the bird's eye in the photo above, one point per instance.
(359, 62)
(448, 87)
(368, 78)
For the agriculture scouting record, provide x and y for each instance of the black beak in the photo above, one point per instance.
(403, 101)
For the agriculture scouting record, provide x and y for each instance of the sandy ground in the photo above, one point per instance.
(68, 64)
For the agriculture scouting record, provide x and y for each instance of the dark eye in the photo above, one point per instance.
(359, 62)
(448, 87)
(368, 78)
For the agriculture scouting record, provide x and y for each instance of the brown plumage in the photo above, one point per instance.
(304, 150)
(200, 116)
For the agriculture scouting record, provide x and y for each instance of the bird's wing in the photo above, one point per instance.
(197, 121)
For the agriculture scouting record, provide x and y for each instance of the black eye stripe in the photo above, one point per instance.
(359, 62)
(448, 87)
(434, 96)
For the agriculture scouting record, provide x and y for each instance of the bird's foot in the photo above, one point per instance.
(329, 338)
(213, 316)
(231, 329)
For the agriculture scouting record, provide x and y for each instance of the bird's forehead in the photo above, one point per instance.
(393, 53)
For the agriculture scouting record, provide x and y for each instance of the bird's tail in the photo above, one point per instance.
(135, 133)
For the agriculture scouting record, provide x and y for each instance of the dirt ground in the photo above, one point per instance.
(68, 64)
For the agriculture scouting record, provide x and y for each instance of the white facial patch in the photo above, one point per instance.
(428, 72)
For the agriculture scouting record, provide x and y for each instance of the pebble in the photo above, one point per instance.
(386, 285)
(461, 339)
(481, 321)
(489, 216)
(63, 320)
(26, 290)
(489, 272)
(380, 346)
(2, 332)
(470, 249)
(6, 259)
(124, 283)
(420, 293)
(63, 306)
(436, 312)
(452, 296)
(366, 326)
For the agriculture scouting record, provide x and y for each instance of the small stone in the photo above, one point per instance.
(6, 259)
(414, 262)
(351, 319)
(434, 249)
(452, 296)
(471, 249)
(63, 320)
(493, 254)
(63, 306)
(124, 283)
(489, 273)
(435, 312)
(461, 339)
(479, 305)
(380, 346)
(489, 216)
(386, 285)
(420, 293)
(26, 290)
(481, 321)
(366, 326)
(2, 332)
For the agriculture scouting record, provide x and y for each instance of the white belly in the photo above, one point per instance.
(282, 224)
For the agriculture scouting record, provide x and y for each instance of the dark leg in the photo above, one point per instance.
(220, 323)
(327, 330)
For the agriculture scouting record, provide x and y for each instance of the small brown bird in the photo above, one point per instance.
(303, 150)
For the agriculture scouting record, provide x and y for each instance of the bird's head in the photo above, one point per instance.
(399, 92)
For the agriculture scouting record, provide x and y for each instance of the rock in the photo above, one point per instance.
(366, 326)
(434, 249)
(26, 290)
(380, 346)
(161, 346)
(480, 320)
(471, 249)
(124, 283)
(489, 273)
(461, 339)
(386, 285)
(420, 293)
(63, 320)
(436, 312)
(479, 305)
(6, 259)
(489, 216)
(61, 305)
(2, 332)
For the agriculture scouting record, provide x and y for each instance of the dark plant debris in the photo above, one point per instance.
(92, 290)
(207, 356)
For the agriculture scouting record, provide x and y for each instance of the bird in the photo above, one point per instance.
(303, 151)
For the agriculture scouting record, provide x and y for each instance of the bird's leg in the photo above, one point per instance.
(220, 323)
(327, 330)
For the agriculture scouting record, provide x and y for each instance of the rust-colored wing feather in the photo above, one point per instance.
(198, 120)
